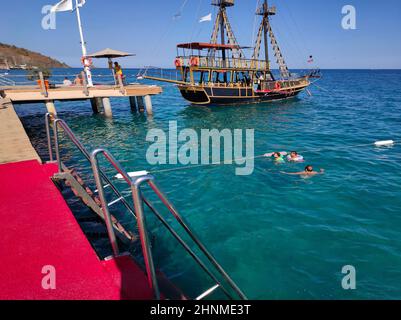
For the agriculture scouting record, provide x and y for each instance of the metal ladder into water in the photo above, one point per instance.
(97, 202)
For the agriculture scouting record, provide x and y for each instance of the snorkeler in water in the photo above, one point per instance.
(307, 172)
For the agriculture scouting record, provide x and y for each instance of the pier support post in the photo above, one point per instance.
(132, 102)
(107, 107)
(139, 99)
(51, 107)
(148, 104)
(97, 105)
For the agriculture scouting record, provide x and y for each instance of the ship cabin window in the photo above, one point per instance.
(221, 77)
(201, 76)
(241, 78)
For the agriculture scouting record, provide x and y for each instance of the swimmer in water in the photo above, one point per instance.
(278, 157)
(294, 156)
(307, 172)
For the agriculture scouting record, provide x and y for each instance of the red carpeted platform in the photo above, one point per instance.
(38, 229)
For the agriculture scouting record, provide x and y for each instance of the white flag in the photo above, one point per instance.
(206, 18)
(64, 5)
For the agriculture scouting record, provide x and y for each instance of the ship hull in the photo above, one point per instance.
(207, 95)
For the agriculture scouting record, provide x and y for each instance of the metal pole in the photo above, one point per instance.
(83, 46)
(222, 27)
(147, 252)
(56, 146)
(186, 247)
(43, 88)
(266, 40)
(178, 217)
(49, 141)
(105, 209)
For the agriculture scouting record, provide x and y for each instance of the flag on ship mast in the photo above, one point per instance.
(64, 5)
(206, 18)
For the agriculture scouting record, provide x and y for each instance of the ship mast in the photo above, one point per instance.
(265, 29)
(223, 25)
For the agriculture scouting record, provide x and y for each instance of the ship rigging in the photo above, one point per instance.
(218, 72)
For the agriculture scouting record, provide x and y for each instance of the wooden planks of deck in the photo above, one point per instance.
(27, 94)
(14, 142)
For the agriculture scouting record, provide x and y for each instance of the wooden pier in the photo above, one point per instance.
(139, 96)
(14, 142)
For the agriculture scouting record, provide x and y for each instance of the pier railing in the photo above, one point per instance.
(43, 84)
(135, 184)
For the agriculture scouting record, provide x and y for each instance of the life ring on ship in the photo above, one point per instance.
(277, 86)
(178, 62)
(194, 61)
(87, 62)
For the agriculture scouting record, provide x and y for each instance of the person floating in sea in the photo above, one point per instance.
(67, 82)
(295, 157)
(278, 157)
(307, 172)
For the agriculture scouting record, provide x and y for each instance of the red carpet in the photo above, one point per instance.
(38, 229)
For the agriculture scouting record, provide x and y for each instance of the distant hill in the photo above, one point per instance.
(14, 57)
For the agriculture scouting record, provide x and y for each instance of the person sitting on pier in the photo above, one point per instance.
(78, 81)
(118, 71)
(67, 82)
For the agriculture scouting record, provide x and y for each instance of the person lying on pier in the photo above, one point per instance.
(67, 82)
(307, 172)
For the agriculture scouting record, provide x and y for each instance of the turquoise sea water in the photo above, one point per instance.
(278, 236)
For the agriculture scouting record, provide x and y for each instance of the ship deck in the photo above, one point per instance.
(39, 230)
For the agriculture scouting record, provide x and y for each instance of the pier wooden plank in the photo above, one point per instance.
(14, 142)
(23, 94)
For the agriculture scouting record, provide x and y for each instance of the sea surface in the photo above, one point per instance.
(278, 236)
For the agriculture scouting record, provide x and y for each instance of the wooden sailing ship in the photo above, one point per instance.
(218, 72)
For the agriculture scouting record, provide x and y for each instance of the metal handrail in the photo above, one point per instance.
(59, 122)
(48, 117)
(138, 212)
(135, 184)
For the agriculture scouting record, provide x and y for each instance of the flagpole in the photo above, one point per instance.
(83, 46)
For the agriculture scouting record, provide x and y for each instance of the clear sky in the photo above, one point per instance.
(147, 28)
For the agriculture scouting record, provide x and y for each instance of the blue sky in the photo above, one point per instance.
(147, 28)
